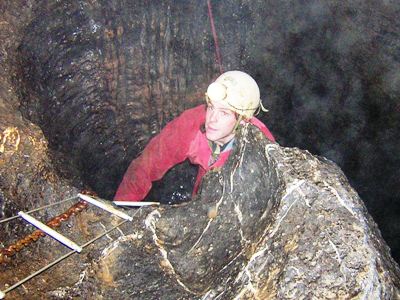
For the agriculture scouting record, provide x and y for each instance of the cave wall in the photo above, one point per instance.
(101, 77)
(272, 223)
(330, 70)
(108, 75)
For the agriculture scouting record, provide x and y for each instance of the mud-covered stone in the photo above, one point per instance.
(274, 223)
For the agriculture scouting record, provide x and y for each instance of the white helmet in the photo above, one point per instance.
(239, 90)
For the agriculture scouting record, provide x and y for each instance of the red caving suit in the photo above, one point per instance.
(178, 140)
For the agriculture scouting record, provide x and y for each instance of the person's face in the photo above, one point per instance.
(220, 122)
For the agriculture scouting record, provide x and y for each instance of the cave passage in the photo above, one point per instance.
(99, 93)
(101, 78)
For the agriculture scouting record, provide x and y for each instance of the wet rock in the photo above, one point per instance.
(285, 225)
(107, 76)
(273, 223)
(102, 77)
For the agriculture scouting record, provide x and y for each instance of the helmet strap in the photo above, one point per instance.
(262, 107)
(239, 119)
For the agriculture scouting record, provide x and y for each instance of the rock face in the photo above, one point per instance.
(28, 178)
(274, 223)
(111, 74)
(101, 77)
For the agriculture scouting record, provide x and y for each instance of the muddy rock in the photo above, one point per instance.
(274, 223)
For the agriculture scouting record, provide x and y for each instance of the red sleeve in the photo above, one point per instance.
(260, 125)
(168, 148)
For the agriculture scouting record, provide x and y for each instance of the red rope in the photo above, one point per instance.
(214, 32)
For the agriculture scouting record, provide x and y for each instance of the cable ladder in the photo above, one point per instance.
(75, 248)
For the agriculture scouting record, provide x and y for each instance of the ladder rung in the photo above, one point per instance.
(54, 234)
(135, 203)
(105, 206)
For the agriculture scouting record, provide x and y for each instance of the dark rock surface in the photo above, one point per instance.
(110, 76)
(84, 85)
(101, 77)
(28, 178)
(274, 223)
